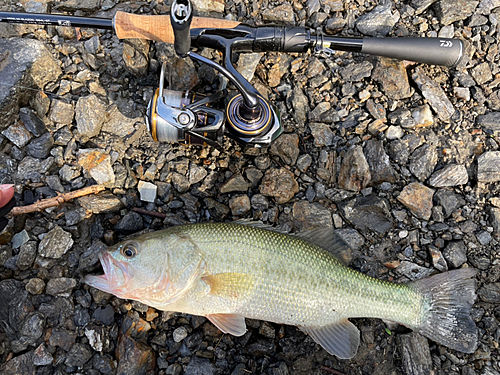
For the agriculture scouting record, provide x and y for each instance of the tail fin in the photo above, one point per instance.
(449, 297)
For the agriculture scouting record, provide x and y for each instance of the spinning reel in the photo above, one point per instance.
(185, 117)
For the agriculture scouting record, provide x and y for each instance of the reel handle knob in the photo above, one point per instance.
(181, 15)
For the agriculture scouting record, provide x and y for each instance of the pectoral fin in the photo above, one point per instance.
(340, 338)
(229, 323)
(229, 285)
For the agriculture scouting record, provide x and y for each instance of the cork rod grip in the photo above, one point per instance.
(158, 28)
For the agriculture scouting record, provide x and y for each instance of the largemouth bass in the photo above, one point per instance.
(228, 271)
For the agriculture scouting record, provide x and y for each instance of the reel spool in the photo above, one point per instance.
(184, 117)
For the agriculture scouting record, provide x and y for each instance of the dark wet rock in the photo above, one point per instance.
(136, 56)
(450, 175)
(40, 147)
(61, 287)
(488, 167)
(259, 202)
(322, 133)
(418, 199)
(41, 356)
(78, 355)
(20, 365)
(455, 253)
(438, 260)
(26, 63)
(308, 216)
(261, 347)
(434, 94)
(490, 293)
(54, 182)
(380, 21)
(489, 122)
(449, 200)
(398, 151)
(200, 366)
(354, 172)
(217, 209)
(280, 184)
(239, 205)
(27, 255)
(75, 216)
(413, 271)
(55, 243)
(423, 161)
(90, 115)
(415, 354)
(29, 169)
(103, 363)
(381, 169)
(449, 11)
(180, 182)
(286, 147)
(393, 78)
(62, 338)
(368, 213)
(101, 203)
(31, 329)
(131, 222)
(134, 357)
(235, 183)
(17, 134)
(356, 72)
(254, 176)
(84, 5)
(104, 315)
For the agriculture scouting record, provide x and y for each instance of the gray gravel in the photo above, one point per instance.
(400, 158)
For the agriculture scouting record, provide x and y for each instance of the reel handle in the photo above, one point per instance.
(181, 15)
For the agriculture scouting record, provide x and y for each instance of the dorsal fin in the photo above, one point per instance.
(326, 238)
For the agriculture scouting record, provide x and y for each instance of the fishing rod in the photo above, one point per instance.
(190, 118)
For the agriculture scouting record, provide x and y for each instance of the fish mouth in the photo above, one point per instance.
(114, 278)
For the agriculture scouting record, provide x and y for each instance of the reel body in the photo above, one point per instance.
(191, 118)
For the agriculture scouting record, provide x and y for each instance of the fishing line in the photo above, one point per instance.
(49, 94)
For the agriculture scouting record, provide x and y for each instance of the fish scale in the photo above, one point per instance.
(228, 272)
(285, 294)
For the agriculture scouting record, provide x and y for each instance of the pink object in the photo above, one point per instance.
(6, 194)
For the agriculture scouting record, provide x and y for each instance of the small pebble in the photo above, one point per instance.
(180, 333)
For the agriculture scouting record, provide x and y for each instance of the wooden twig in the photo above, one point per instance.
(150, 213)
(56, 201)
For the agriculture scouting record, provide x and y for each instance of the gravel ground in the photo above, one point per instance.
(401, 158)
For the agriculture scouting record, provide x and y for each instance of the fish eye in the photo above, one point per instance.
(128, 251)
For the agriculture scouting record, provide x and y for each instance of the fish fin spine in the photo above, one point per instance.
(448, 299)
(340, 338)
(229, 323)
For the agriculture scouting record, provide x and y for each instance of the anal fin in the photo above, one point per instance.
(340, 338)
(229, 323)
